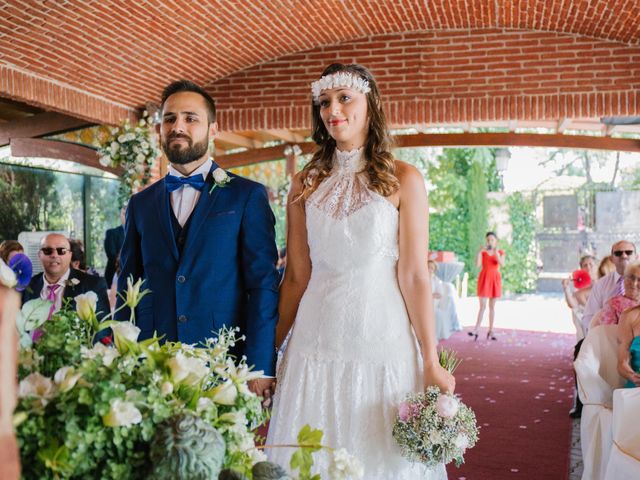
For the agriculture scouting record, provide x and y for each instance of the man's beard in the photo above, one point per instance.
(183, 155)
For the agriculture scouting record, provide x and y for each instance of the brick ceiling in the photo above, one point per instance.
(114, 56)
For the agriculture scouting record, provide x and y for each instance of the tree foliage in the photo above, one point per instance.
(519, 273)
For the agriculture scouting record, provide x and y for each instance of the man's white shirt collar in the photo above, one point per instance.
(62, 282)
(202, 169)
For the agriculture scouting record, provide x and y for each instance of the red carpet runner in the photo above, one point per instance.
(521, 388)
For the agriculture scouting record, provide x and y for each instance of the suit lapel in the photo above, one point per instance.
(163, 201)
(71, 290)
(203, 207)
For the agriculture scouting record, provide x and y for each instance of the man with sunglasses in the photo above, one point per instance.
(623, 253)
(60, 282)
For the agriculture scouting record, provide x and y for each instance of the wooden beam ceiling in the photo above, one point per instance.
(47, 123)
(38, 147)
(579, 142)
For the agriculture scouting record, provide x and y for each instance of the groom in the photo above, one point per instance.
(203, 240)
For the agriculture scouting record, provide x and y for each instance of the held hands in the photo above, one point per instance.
(263, 387)
(438, 376)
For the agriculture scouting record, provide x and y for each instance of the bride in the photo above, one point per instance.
(356, 288)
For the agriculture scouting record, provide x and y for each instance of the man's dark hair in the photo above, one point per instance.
(188, 86)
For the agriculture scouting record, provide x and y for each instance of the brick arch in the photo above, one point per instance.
(101, 60)
(441, 77)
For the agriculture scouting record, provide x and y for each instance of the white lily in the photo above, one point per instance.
(86, 305)
(225, 394)
(66, 378)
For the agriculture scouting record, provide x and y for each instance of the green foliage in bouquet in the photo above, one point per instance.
(93, 410)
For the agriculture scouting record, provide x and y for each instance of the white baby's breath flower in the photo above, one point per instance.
(37, 385)
(461, 441)
(447, 406)
(105, 161)
(66, 378)
(122, 414)
(203, 404)
(86, 305)
(187, 370)
(435, 437)
(345, 466)
(7, 276)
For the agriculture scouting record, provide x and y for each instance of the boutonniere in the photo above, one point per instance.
(220, 179)
(72, 282)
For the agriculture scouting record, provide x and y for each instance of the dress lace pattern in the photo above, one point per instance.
(352, 355)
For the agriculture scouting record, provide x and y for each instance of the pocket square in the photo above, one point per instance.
(226, 212)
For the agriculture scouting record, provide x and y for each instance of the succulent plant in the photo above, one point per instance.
(186, 447)
(269, 471)
(228, 474)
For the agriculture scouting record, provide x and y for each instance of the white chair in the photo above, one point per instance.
(576, 317)
(597, 373)
(624, 461)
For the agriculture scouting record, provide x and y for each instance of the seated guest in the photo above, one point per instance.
(59, 281)
(78, 258)
(8, 249)
(437, 289)
(613, 308)
(587, 267)
(611, 285)
(605, 267)
(629, 346)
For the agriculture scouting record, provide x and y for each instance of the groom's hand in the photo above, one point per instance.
(263, 387)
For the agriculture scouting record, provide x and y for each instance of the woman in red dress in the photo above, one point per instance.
(489, 281)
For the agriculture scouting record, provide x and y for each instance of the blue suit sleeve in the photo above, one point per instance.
(130, 258)
(259, 256)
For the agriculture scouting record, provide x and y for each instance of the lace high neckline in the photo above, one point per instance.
(351, 161)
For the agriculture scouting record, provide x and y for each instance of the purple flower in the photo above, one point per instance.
(22, 267)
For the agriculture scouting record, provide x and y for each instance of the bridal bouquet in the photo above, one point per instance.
(434, 428)
(123, 408)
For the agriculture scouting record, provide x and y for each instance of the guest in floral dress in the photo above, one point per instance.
(614, 307)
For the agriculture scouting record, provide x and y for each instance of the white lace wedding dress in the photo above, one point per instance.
(352, 355)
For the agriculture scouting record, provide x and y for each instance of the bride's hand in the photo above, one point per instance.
(438, 376)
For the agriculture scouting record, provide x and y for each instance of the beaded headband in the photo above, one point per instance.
(339, 79)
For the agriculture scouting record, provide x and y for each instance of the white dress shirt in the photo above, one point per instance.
(602, 290)
(184, 200)
(44, 293)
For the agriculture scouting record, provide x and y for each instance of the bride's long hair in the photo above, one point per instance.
(380, 164)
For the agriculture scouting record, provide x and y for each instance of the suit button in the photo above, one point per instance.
(182, 318)
(181, 279)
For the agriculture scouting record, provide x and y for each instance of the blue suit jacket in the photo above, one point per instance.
(226, 275)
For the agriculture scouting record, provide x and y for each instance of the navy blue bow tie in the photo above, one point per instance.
(173, 183)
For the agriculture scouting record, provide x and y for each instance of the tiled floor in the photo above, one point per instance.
(575, 466)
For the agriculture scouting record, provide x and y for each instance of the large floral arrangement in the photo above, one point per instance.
(123, 408)
(99, 410)
(433, 427)
(132, 148)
